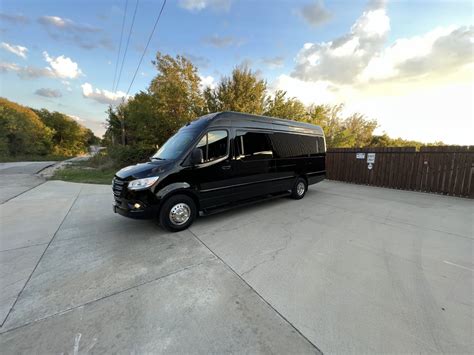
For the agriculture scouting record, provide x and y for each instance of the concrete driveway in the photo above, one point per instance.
(347, 269)
(16, 178)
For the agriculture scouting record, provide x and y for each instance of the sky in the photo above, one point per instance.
(407, 64)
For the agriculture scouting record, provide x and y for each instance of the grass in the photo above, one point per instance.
(77, 173)
(11, 159)
(97, 170)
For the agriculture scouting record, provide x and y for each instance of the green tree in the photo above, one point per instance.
(242, 91)
(22, 132)
(279, 105)
(177, 88)
(353, 131)
(69, 137)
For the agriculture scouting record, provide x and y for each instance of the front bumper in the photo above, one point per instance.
(143, 213)
(134, 204)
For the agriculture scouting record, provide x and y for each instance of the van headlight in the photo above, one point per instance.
(141, 184)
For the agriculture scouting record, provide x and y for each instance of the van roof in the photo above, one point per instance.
(245, 120)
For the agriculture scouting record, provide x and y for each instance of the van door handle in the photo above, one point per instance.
(225, 167)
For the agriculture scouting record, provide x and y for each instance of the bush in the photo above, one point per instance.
(129, 155)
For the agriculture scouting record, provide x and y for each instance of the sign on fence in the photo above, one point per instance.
(360, 155)
(370, 158)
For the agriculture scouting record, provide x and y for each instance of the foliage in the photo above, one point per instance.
(281, 106)
(385, 141)
(30, 133)
(22, 132)
(352, 131)
(243, 91)
(128, 155)
(69, 137)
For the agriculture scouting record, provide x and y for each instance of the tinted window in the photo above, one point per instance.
(253, 146)
(213, 145)
(292, 145)
(321, 145)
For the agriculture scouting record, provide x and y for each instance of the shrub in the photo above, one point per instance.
(129, 155)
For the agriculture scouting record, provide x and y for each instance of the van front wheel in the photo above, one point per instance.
(299, 189)
(177, 213)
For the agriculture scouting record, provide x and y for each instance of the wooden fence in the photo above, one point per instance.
(444, 170)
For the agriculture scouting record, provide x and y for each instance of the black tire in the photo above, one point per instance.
(297, 192)
(183, 205)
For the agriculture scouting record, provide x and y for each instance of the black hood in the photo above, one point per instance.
(144, 170)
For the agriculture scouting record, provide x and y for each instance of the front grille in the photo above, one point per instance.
(118, 188)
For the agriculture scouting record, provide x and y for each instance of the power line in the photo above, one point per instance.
(146, 47)
(126, 47)
(120, 45)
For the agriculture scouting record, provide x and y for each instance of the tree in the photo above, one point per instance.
(281, 106)
(353, 131)
(69, 137)
(243, 91)
(177, 89)
(22, 132)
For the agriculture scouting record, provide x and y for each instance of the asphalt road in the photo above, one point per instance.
(347, 269)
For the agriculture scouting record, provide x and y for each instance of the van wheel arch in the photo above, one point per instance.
(182, 192)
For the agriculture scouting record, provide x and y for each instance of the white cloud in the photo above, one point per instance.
(315, 13)
(438, 51)
(103, 96)
(14, 18)
(78, 119)
(309, 92)
(15, 49)
(198, 5)
(63, 67)
(343, 58)
(45, 92)
(207, 81)
(26, 72)
(222, 41)
(65, 24)
(274, 63)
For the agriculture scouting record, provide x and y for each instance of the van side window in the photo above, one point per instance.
(321, 145)
(252, 146)
(288, 145)
(213, 145)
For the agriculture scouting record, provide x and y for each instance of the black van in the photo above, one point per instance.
(219, 161)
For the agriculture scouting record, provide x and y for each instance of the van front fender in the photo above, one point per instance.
(171, 188)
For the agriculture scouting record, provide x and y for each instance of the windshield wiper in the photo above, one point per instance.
(156, 158)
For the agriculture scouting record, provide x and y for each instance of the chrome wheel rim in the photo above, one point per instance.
(180, 214)
(300, 188)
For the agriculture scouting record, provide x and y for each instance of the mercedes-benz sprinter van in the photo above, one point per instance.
(219, 161)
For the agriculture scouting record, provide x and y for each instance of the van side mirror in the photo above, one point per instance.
(196, 156)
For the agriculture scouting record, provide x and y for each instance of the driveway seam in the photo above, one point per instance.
(21, 193)
(24, 247)
(41, 258)
(258, 294)
(104, 297)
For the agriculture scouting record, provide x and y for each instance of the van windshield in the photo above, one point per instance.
(176, 145)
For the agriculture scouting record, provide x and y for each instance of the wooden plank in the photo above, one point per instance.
(460, 172)
(419, 170)
(468, 171)
(441, 174)
(453, 173)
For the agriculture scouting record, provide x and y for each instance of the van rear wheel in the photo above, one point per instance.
(299, 189)
(177, 213)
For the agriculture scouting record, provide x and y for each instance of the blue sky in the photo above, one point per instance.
(384, 59)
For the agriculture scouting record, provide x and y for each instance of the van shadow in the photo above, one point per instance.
(254, 208)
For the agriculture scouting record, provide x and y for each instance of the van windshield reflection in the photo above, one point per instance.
(175, 146)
